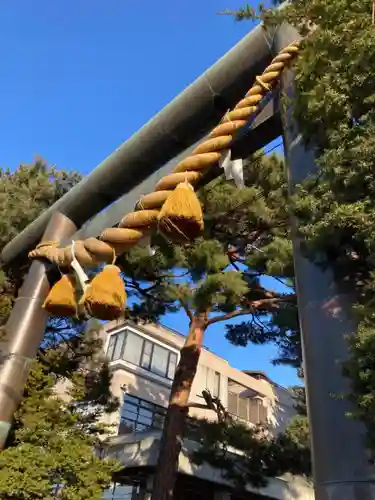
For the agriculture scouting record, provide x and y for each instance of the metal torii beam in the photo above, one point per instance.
(265, 129)
(181, 123)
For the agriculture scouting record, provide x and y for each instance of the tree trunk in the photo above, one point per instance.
(175, 423)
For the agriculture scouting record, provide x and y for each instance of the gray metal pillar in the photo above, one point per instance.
(340, 464)
(25, 328)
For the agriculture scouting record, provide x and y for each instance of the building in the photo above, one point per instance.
(143, 359)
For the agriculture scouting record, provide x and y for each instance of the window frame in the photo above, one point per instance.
(204, 373)
(112, 345)
(137, 405)
(256, 409)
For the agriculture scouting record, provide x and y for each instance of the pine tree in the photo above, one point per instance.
(50, 450)
(259, 456)
(216, 278)
(25, 193)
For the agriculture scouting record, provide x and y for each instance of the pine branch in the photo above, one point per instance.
(252, 306)
(201, 406)
(142, 291)
(187, 310)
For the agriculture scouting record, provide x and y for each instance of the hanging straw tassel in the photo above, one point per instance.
(61, 300)
(104, 298)
(181, 217)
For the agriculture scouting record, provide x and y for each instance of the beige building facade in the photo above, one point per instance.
(143, 359)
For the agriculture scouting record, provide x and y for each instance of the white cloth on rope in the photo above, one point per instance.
(81, 275)
(145, 242)
(233, 169)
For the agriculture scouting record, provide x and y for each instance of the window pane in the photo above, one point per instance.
(118, 347)
(232, 403)
(145, 412)
(129, 414)
(210, 380)
(133, 348)
(111, 346)
(159, 363)
(262, 413)
(253, 417)
(138, 414)
(128, 398)
(216, 387)
(147, 404)
(145, 420)
(146, 355)
(172, 365)
(242, 408)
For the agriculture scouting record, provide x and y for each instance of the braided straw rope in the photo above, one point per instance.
(137, 225)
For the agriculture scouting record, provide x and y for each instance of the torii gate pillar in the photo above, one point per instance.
(341, 468)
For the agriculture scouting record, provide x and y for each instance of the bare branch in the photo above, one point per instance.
(202, 406)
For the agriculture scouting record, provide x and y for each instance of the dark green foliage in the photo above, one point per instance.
(335, 96)
(24, 194)
(53, 444)
(281, 327)
(260, 456)
(246, 237)
(58, 422)
(221, 276)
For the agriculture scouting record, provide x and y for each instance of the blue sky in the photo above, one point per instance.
(79, 77)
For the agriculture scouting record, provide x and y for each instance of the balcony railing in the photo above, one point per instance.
(247, 409)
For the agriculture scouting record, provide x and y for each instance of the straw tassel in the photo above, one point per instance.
(181, 217)
(61, 300)
(104, 298)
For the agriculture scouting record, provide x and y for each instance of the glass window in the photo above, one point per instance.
(133, 348)
(159, 362)
(209, 380)
(138, 415)
(253, 411)
(141, 352)
(262, 413)
(232, 403)
(172, 365)
(146, 354)
(216, 386)
(132, 399)
(118, 346)
(111, 346)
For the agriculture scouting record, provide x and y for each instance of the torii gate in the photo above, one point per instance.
(340, 464)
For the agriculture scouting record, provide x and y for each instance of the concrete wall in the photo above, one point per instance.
(146, 385)
(140, 450)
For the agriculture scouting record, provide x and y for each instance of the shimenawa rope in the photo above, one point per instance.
(137, 225)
